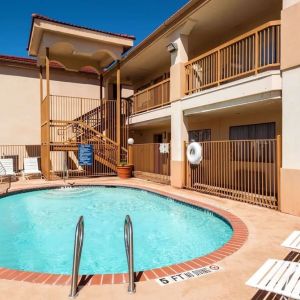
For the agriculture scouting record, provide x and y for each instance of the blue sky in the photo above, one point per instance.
(137, 17)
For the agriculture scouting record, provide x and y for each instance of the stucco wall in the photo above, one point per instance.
(220, 125)
(290, 43)
(143, 136)
(20, 99)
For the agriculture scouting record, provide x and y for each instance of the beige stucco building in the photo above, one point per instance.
(225, 75)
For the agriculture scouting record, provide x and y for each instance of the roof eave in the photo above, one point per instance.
(157, 33)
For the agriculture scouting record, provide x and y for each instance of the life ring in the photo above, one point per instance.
(194, 153)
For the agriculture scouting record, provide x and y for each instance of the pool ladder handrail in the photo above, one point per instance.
(79, 236)
(128, 239)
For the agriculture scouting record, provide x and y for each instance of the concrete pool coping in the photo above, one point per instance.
(266, 230)
(240, 234)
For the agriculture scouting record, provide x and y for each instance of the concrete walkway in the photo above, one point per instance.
(267, 229)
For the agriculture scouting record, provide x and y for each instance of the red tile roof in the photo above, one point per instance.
(40, 17)
(33, 62)
(25, 60)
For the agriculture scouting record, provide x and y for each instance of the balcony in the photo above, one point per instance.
(153, 97)
(251, 53)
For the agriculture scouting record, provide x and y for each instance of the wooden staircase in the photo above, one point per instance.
(68, 122)
(105, 149)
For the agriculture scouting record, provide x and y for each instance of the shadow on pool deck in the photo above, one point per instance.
(86, 279)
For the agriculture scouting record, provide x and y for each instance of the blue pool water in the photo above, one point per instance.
(37, 230)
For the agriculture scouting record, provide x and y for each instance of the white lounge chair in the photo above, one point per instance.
(293, 241)
(279, 277)
(2, 170)
(7, 167)
(31, 167)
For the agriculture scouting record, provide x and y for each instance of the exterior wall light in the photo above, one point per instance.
(130, 141)
(172, 47)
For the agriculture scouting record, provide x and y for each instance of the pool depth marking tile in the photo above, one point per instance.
(195, 273)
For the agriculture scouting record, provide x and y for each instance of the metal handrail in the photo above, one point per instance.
(79, 235)
(128, 239)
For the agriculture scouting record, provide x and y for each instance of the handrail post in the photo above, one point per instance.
(79, 234)
(66, 172)
(278, 170)
(128, 238)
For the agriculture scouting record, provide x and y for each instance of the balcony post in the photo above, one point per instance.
(45, 155)
(118, 113)
(219, 68)
(48, 71)
(256, 59)
(290, 67)
(41, 84)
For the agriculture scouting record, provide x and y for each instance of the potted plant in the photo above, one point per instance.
(124, 170)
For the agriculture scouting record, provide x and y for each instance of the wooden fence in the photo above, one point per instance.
(155, 96)
(248, 54)
(152, 161)
(245, 170)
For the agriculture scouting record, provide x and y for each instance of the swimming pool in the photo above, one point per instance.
(37, 230)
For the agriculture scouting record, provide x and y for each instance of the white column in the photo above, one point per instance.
(178, 127)
(290, 65)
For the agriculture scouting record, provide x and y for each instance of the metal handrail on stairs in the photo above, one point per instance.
(128, 239)
(79, 235)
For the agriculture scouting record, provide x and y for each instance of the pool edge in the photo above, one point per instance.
(239, 237)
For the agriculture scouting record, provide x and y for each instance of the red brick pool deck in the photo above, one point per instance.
(240, 234)
(258, 233)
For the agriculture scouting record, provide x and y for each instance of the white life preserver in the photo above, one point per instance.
(194, 153)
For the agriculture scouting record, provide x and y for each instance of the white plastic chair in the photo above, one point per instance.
(293, 241)
(31, 167)
(7, 167)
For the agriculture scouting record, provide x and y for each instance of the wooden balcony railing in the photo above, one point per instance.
(248, 54)
(155, 96)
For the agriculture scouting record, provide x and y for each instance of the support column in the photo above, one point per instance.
(41, 115)
(48, 72)
(179, 132)
(41, 84)
(130, 154)
(46, 153)
(101, 104)
(118, 114)
(290, 65)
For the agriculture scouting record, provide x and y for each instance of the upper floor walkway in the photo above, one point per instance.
(250, 62)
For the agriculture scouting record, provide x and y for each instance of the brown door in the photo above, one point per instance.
(157, 139)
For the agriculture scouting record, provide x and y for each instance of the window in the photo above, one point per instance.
(252, 142)
(202, 135)
(253, 132)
